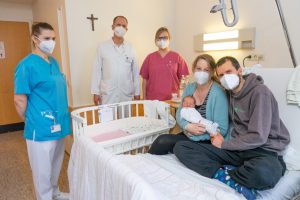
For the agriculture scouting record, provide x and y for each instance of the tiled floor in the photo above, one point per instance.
(15, 173)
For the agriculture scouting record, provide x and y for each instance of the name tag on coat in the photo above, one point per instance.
(129, 59)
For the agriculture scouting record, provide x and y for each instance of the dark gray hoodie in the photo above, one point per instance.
(255, 117)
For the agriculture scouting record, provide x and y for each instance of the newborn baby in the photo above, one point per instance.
(190, 114)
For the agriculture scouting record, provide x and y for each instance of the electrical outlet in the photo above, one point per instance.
(256, 57)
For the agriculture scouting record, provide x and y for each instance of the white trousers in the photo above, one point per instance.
(46, 159)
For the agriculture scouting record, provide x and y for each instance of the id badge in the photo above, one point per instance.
(55, 128)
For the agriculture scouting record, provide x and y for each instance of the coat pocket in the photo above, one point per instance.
(128, 87)
(107, 86)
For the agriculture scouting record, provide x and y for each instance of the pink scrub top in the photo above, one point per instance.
(163, 74)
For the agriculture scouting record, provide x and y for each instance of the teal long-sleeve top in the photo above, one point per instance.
(216, 109)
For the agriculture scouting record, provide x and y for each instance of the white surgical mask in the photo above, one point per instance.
(47, 46)
(230, 81)
(201, 77)
(162, 44)
(120, 31)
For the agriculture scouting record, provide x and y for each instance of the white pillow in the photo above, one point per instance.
(287, 187)
(291, 158)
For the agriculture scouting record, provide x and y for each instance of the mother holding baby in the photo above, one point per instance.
(208, 98)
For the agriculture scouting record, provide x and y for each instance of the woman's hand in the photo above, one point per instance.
(217, 140)
(196, 129)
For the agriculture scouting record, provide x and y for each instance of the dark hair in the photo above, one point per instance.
(120, 17)
(37, 28)
(233, 61)
(160, 30)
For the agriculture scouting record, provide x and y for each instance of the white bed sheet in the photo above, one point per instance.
(95, 174)
(168, 176)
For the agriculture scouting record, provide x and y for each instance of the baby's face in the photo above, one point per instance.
(188, 102)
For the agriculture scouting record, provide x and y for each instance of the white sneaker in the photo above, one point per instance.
(61, 196)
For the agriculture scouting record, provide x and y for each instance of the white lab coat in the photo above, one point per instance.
(116, 74)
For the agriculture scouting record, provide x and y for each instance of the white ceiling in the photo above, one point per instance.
(19, 1)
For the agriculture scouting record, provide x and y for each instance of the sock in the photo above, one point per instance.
(223, 176)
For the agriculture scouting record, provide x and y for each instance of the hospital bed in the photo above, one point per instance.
(106, 169)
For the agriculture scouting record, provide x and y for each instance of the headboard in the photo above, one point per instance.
(277, 80)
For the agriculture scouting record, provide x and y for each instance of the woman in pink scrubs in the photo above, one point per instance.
(162, 69)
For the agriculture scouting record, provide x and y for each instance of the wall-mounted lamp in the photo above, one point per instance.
(227, 40)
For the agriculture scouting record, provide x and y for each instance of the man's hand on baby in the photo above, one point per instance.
(195, 129)
(217, 140)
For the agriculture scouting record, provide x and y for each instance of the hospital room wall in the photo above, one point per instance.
(144, 19)
(15, 12)
(193, 18)
(53, 12)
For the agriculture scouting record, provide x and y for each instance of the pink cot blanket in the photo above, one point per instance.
(109, 135)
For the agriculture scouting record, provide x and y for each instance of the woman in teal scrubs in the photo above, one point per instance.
(41, 100)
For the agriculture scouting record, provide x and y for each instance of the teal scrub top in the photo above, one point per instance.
(216, 110)
(46, 117)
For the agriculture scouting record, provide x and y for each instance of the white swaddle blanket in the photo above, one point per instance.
(154, 108)
(193, 116)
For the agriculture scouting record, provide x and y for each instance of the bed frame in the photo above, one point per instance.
(86, 118)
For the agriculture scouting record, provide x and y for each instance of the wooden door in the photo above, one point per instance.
(16, 39)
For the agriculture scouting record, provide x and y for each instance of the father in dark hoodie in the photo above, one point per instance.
(258, 135)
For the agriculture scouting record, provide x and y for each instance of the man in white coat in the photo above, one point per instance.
(116, 74)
